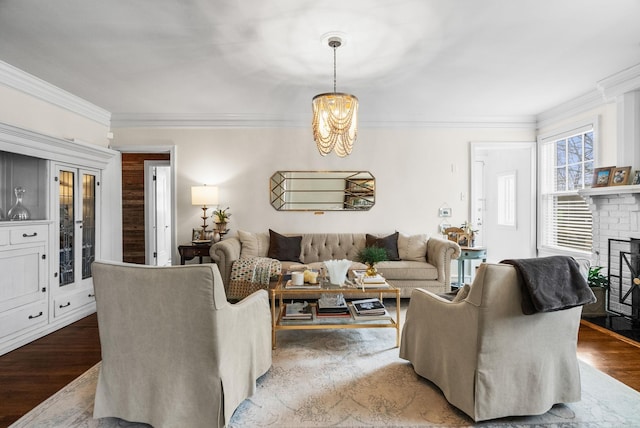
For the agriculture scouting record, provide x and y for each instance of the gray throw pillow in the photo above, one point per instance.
(284, 248)
(462, 293)
(389, 243)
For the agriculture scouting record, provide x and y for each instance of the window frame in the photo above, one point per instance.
(565, 131)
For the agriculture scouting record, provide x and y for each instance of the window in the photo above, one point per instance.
(507, 199)
(566, 166)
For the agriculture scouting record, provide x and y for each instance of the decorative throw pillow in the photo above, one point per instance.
(389, 243)
(253, 244)
(412, 247)
(462, 293)
(284, 248)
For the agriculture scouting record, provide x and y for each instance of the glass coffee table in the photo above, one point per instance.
(280, 293)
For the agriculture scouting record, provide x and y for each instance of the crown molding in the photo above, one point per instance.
(581, 104)
(30, 143)
(620, 83)
(606, 91)
(17, 79)
(199, 120)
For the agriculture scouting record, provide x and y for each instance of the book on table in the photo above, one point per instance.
(297, 311)
(369, 317)
(325, 315)
(371, 306)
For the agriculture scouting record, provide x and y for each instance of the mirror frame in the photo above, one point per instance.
(337, 191)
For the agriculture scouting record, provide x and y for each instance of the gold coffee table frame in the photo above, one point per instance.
(280, 293)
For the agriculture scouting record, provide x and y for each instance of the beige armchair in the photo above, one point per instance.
(489, 359)
(174, 351)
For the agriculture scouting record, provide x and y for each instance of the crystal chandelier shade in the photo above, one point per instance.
(335, 120)
(335, 117)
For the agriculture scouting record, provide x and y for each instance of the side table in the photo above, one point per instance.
(469, 253)
(189, 251)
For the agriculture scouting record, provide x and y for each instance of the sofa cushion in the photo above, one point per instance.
(253, 244)
(389, 243)
(318, 247)
(412, 247)
(407, 270)
(286, 248)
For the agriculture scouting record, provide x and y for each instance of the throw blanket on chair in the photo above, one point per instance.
(250, 274)
(551, 284)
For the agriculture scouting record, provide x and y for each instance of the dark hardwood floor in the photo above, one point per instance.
(31, 374)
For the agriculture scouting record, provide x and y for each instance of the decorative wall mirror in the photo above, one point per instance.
(322, 190)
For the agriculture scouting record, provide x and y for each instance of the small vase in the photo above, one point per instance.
(19, 211)
(221, 227)
(371, 270)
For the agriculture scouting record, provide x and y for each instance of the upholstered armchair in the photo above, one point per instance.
(174, 351)
(488, 358)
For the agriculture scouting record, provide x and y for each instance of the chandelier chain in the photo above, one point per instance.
(335, 47)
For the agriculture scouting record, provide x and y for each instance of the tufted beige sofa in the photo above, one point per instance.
(430, 270)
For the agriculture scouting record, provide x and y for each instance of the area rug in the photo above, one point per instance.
(349, 378)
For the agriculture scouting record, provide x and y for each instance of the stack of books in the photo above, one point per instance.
(297, 311)
(365, 281)
(369, 307)
(332, 304)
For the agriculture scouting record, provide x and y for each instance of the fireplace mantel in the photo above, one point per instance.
(610, 190)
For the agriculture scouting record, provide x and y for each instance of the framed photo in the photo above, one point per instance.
(196, 235)
(601, 176)
(620, 176)
(636, 178)
(444, 212)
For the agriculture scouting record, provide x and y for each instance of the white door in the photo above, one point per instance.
(163, 216)
(158, 213)
(503, 196)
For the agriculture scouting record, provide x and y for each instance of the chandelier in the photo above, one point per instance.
(335, 116)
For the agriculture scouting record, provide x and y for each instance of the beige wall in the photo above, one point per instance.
(27, 112)
(417, 172)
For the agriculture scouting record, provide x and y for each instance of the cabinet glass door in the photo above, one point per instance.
(66, 197)
(77, 200)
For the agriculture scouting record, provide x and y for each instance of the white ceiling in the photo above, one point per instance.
(419, 61)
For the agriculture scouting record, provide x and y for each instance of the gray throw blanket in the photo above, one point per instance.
(551, 284)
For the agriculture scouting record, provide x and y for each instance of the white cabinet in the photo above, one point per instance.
(46, 256)
(24, 280)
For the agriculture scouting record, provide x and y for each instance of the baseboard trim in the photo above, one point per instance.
(609, 332)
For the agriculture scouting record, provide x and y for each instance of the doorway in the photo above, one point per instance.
(134, 242)
(503, 198)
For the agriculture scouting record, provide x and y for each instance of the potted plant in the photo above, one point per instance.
(370, 256)
(221, 218)
(599, 283)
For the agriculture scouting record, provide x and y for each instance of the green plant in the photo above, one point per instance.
(595, 278)
(372, 255)
(221, 216)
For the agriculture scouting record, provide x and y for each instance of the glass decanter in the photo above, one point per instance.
(18, 211)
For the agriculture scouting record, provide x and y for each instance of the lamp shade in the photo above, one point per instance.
(204, 195)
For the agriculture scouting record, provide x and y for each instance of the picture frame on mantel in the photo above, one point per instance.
(602, 176)
(620, 176)
(636, 178)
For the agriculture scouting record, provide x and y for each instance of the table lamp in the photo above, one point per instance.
(203, 196)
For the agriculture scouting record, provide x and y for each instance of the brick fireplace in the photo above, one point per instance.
(616, 243)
